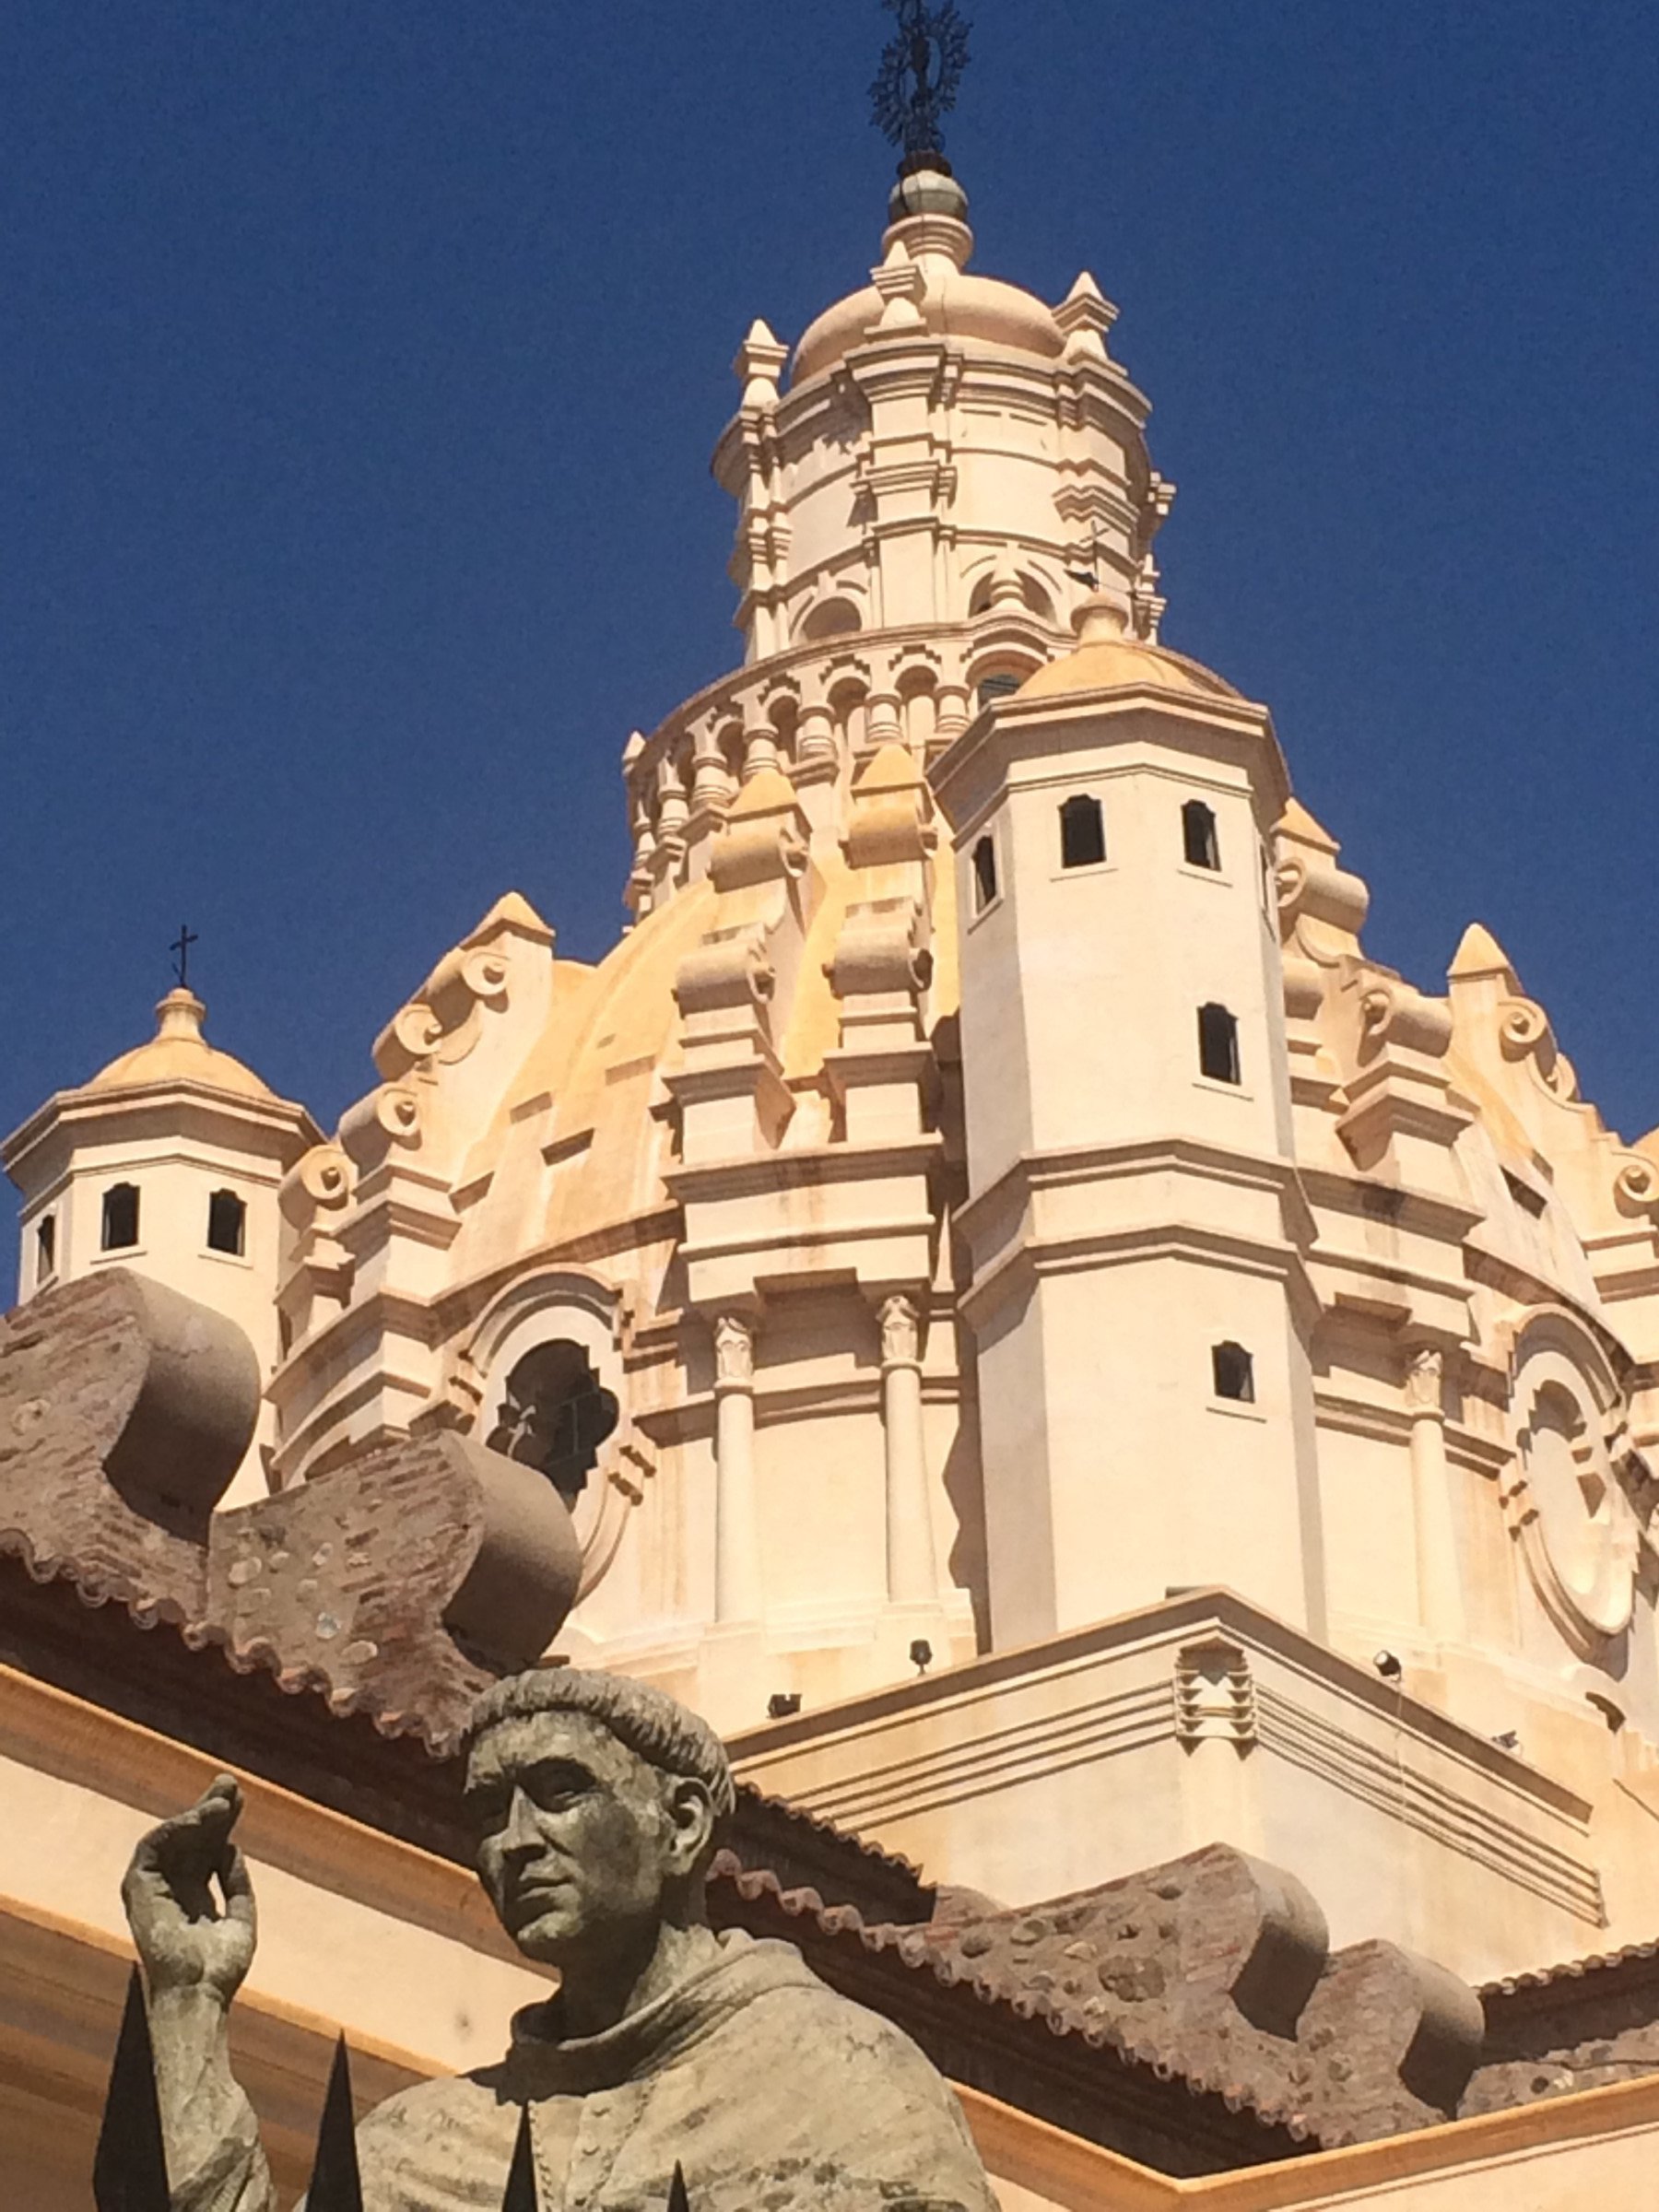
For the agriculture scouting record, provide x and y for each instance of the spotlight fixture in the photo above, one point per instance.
(921, 1654)
(782, 1703)
(1388, 1667)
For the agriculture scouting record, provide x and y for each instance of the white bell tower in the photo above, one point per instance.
(1138, 1298)
(167, 1162)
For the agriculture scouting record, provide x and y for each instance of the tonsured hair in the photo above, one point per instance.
(650, 1722)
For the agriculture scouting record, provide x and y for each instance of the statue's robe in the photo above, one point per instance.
(770, 2093)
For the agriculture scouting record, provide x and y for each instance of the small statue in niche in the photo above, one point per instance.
(554, 1414)
(598, 1804)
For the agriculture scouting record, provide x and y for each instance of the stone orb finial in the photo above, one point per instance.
(1100, 618)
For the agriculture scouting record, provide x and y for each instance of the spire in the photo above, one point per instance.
(1479, 953)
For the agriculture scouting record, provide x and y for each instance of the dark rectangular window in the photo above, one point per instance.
(1082, 833)
(984, 873)
(46, 1247)
(1219, 1044)
(119, 1217)
(997, 687)
(1233, 1370)
(1199, 839)
(227, 1222)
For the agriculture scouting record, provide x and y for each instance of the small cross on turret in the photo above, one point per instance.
(179, 948)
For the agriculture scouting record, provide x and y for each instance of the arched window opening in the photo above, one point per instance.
(46, 1247)
(1001, 684)
(227, 1223)
(1082, 831)
(1198, 837)
(1217, 1044)
(1033, 596)
(555, 1416)
(1234, 1372)
(119, 1217)
(984, 873)
(831, 618)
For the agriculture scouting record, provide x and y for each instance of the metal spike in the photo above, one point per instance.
(521, 2175)
(677, 2199)
(129, 2170)
(335, 2185)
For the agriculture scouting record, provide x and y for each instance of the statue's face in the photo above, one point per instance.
(580, 1839)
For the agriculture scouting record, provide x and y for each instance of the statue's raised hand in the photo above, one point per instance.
(188, 1937)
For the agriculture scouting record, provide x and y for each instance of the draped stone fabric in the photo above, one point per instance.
(771, 2092)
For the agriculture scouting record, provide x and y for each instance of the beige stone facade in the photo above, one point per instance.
(1062, 1357)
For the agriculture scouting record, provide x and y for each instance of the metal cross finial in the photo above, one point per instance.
(921, 68)
(1090, 575)
(179, 948)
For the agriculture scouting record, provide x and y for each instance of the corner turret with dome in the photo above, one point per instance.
(167, 1161)
(988, 1192)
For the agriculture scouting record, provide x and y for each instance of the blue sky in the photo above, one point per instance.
(359, 368)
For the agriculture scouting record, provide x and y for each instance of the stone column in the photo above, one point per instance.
(710, 786)
(1440, 1590)
(952, 715)
(884, 719)
(674, 808)
(910, 1546)
(737, 1515)
(814, 736)
(759, 747)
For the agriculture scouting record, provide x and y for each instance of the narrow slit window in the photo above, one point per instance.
(119, 1217)
(1199, 839)
(46, 1247)
(1217, 1044)
(1082, 833)
(984, 873)
(227, 1223)
(1233, 1371)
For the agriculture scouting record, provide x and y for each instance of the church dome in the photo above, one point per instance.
(953, 305)
(179, 1053)
(1106, 658)
(929, 232)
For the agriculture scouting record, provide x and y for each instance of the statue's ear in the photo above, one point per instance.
(691, 1810)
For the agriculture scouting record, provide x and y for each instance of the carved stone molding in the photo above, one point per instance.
(1215, 1694)
(900, 1331)
(1425, 1375)
(733, 1352)
(1565, 1498)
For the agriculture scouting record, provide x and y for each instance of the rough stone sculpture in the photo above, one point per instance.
(598, 1804)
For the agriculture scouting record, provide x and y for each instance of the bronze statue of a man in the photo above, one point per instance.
(597, 1803)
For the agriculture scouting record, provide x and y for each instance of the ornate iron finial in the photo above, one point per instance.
(916, 84)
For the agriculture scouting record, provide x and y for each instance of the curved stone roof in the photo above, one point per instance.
(1105, 659)
(179, 1053)
(933, 246)
(953, 305)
